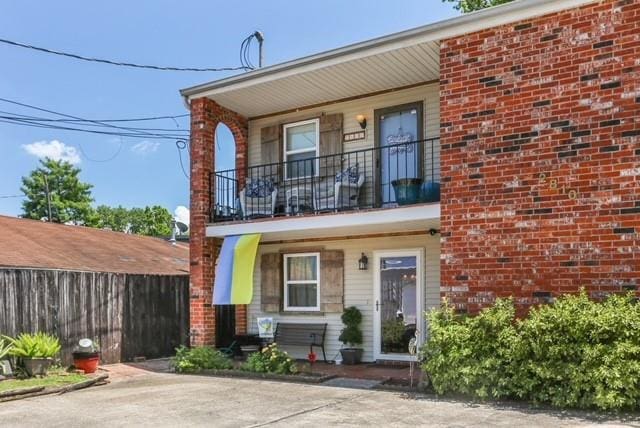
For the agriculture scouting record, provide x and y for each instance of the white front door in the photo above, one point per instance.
(398, 302)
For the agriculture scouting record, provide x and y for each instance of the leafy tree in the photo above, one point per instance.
(151, 221)
(70, 198)
(467, 6)
(114, 218)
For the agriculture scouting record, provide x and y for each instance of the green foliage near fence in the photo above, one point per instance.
(574, 353)
(194, 360)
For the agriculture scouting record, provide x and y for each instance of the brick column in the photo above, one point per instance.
(202, 314)
(205, 117)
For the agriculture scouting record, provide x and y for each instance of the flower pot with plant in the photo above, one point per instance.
(351, 336)
(86, 356)
(36, 351)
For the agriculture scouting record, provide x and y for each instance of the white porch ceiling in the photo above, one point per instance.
(348, 224)
(394, 69)
(393, 61)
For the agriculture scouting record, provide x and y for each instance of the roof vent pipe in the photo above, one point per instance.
(260, 38)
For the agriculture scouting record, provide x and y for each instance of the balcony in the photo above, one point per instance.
(391, 176)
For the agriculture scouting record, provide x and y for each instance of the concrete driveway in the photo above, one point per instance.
(163, 399)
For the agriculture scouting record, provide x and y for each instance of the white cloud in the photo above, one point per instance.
(53, 149)
(145, 147)
(182, 214)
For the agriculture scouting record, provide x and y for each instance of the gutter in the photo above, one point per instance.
(451, 27)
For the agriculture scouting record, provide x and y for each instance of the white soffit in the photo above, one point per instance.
(394, 61)
(351, 224)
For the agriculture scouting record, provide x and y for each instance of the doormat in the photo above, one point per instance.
(345, 382)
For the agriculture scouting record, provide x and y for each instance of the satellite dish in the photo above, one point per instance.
(182, 227)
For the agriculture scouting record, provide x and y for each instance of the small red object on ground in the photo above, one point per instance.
(88, 365)
(312, 357)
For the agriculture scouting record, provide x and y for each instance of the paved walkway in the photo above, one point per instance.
(138, 398)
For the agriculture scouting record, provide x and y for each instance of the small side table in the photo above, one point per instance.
(297, 199)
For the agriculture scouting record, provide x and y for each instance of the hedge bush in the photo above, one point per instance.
(193, 360)
(573, 353)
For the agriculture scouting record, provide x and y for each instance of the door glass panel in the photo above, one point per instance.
(398, 303)
(398, 159)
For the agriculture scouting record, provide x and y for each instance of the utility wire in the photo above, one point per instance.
(119, 63)
(140, 119)
(92, 131)
(130, 132)
(12, 196)
(32, 119)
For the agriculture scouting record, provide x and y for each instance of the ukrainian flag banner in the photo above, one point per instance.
(233, 283)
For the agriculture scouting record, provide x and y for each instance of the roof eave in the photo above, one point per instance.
(471, 22)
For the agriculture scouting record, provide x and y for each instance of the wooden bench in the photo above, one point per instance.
(301, 335)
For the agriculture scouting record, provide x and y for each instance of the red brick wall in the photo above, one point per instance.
(540, 139)
(205, 117)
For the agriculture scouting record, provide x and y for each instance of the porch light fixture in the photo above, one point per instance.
(362, 121)
(363, 262)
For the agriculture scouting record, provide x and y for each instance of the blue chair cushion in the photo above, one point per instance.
(349, 175)
(259, 187)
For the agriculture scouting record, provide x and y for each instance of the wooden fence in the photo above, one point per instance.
(129, 315)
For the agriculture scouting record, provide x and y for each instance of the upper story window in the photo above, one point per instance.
(302, 282)
(301, 142)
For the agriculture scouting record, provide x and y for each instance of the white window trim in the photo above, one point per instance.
(286, 283)
(293, 152)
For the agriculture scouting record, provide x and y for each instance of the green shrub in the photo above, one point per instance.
(5, 347)
(573, 353)
(38, 345)
(270, 360)
(193, 360)
(351, 334)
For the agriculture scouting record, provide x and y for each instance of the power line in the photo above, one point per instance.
(33, 119)
(128, 131)
(140, 119)
(12, 196)
(119, 63)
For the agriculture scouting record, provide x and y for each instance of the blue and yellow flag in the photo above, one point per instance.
(233, 283)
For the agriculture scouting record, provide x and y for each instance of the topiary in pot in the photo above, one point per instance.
(351, 335)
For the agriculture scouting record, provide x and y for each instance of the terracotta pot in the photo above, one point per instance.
(86, 361)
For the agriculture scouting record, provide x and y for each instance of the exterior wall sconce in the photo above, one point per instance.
(433, 232)
(363, 263)
(362, 121)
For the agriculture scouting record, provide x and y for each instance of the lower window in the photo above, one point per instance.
(302, 282)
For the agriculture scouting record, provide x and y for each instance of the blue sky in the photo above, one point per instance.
(187, 33)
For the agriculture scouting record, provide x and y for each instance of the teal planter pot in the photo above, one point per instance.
(430, 192)
(407, 190)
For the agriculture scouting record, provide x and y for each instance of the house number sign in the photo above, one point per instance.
(353, 136)
(553, 184)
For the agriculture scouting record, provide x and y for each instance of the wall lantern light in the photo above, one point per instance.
(363, 262)
(362, 121)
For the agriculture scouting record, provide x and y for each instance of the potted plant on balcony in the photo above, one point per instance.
(36, 351)
(86, 356)
(351, 336)
(407, 190)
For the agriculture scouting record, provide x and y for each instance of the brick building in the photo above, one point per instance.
(493, 154)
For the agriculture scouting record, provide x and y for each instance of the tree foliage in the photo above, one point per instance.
(467, 6)
(151, 221)
(70, 198)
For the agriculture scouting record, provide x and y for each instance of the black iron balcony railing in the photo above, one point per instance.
(379, 177)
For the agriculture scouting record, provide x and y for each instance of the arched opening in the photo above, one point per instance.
(225, 205)
(226, 179)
